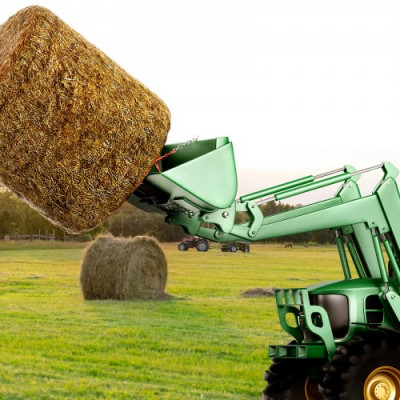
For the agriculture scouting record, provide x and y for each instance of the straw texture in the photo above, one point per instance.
(77, 133)
(124, 269)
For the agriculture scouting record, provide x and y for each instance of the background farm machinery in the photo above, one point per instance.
(201, 244)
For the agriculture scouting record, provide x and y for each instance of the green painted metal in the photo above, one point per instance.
(365, 210)
(197, 182)
(317, 321)
(356, 260)
(392, 258)
(190, 152)
(363, 239)
(343, 257)
(224, 218)
(389, 197)
(390, 171)
(393, 299)
(300, 184)
(357, 291)
(379, 255)
(313, 351)
(196, 189)
(195, 174)
(314, 318)
(313, 186)
(277, 188)
(289, 302)
(359, 234)
(308, 209)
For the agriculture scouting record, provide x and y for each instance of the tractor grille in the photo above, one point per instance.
(374, 310)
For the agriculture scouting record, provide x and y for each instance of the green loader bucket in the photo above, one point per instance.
(201, 174)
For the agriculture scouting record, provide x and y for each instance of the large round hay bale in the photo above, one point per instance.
(124, 269)
(77, 133)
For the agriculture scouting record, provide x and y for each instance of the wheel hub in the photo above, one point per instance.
(383, 383)
(311, 390)
(382, 391)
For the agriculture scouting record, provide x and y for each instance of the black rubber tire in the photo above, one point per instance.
(202, 245)
(246, 248)
(234, 249)
(351, 365)
(182, 247)
(286, 380)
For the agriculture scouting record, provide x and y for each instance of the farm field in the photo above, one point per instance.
(204, 341)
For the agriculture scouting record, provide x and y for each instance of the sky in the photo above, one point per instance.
(300, 87)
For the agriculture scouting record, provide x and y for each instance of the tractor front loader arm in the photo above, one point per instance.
(196, 187)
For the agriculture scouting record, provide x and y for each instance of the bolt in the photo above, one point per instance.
(350, 186)
(206, 218)
(393, 297)
(253, 232)
(384, 229)
(225, 214)
(373, 222)
(252, 206)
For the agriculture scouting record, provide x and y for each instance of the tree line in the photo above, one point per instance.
(16, 217)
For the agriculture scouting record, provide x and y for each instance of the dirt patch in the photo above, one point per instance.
(258, 292)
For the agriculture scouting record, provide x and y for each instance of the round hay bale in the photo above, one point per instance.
(124, 269)
(77, 133)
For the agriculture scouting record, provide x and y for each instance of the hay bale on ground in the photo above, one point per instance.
(77, 133)
(123, 269)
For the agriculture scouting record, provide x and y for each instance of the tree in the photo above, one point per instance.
(16, 217)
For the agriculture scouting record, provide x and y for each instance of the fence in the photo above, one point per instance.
(29, 237)
(63, 238)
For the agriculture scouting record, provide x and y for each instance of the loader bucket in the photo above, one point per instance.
(202, 173)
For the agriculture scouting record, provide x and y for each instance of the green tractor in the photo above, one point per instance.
(346, 333)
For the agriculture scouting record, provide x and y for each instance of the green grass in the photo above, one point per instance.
(205, 342)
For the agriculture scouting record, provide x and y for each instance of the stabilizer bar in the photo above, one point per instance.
(309, 183)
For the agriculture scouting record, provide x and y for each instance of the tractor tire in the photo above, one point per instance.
(182, 247)
(288, 380)
(233, 249)
(246, 248)
(202, 245)
(364, 369)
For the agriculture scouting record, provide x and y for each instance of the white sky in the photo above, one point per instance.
(300, 87)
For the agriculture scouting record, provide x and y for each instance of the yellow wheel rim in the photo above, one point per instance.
(311, 390)
(383, 384)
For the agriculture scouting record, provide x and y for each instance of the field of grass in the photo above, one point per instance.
(204, 342)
